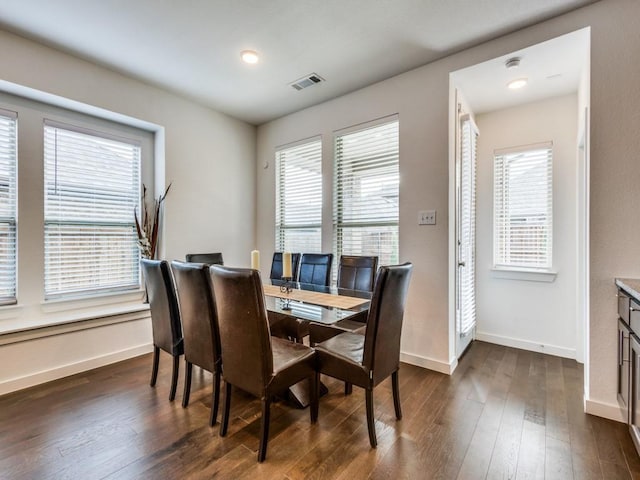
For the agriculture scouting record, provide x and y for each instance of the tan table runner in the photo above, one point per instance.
(315, 298)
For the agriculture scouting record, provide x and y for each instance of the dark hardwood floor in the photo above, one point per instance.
(504, 413)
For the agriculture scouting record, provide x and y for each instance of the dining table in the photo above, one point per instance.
(340, 307)
(345, 309)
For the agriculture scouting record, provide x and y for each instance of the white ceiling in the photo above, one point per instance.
(192, 47)
(553, 68)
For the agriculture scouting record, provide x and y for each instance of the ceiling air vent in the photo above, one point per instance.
(307, 81)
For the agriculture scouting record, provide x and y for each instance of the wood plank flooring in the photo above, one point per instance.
(503, 414)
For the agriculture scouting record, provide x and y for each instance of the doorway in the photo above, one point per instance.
(524, 308)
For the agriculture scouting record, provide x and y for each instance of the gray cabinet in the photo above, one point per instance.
(634, 391)
(629, 355)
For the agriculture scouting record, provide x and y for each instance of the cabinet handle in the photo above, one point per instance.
(631, 309)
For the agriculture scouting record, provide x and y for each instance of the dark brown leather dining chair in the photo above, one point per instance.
(165, 317)
(199, 327)
(357, 272)
(207, 258)
(276, 266)
(315, 268)
(252, 360)
(366, 360)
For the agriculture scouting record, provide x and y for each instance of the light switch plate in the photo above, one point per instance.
(427, 217)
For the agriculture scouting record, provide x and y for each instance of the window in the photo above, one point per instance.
(523, 208)
(299, 198)
(92, 186)
(366, 193)
(8, 210)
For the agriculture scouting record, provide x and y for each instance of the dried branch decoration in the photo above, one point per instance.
(148, 224)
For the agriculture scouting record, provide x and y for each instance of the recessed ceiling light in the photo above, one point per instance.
(249, 56)
(517, 83)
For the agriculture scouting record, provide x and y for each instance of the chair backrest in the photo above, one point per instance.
(357, 273)
(207, 258)
(315, 268)
(276, 266)
(384, 323)
(247, 359)
(165, 314)
(198, 313)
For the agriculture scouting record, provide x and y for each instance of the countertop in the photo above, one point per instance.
(631, 286)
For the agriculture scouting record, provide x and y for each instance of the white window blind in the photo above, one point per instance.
(92, 185)
(467, 226)
(523, 206)
(299, 198)
(8, 208)
(366, 193)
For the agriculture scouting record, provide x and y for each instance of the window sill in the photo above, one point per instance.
(9, 312)
(546, 276)
(89, 302)
(20, 329)
(25, 322)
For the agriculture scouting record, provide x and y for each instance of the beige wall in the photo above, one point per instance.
(531, 314)
(421, 97)
(209, 158)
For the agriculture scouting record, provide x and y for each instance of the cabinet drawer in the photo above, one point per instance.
(624, 368)
(634, 316)
(623, 306)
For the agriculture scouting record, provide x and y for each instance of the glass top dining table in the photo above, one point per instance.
(346, 318)
(323, 312)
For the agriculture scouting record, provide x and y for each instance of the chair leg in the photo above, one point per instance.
(174, 378)
(314, 381)
(225, 411)
(348, 388)
(215, 397)
(371, 424)
(264, 428)
(154, 368)
(396, 394)
(188, 367)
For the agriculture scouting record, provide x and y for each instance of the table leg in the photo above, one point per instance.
(299, 395)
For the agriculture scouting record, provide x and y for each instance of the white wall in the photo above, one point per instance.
(421, 98)
(534, 315)
(209, 157)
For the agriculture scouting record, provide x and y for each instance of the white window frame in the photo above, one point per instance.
(9, 212)
(66, 215)
(539, 157)
(33, 316)
(301, 211)
(389, 220)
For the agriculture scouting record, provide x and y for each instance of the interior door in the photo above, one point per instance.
(466, 232)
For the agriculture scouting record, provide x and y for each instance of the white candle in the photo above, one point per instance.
(286, 265)
(255, 259)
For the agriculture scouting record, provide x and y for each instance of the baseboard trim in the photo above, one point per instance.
(27, 381)
(527, 345)
(431, 364)
(605, 410)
